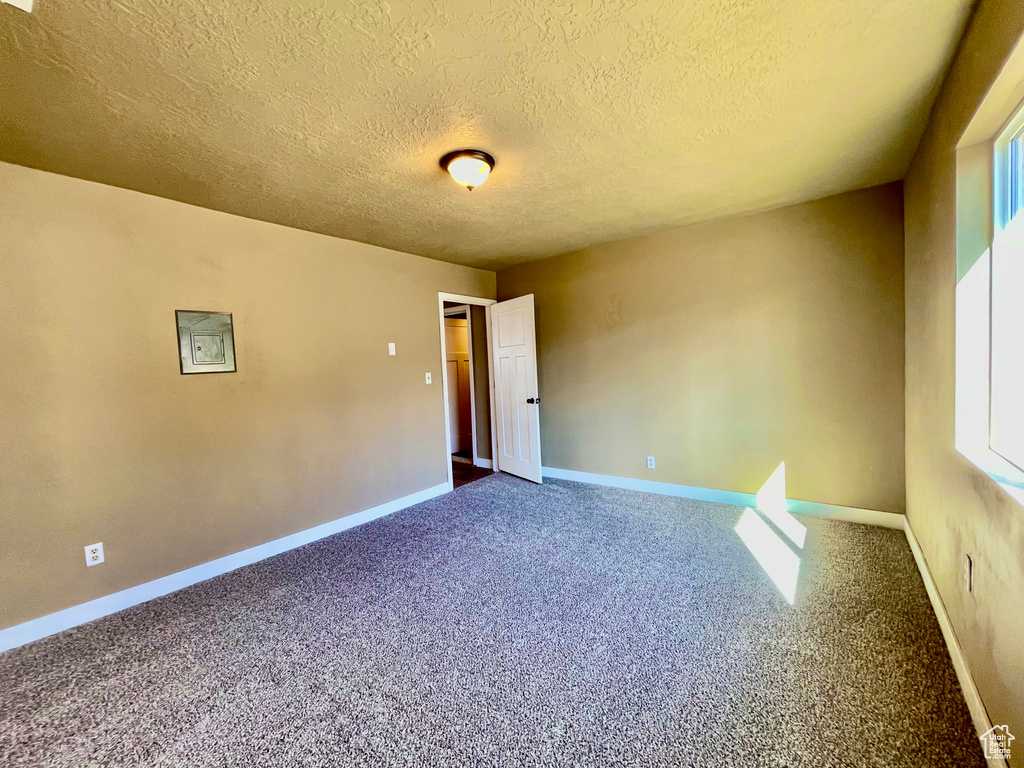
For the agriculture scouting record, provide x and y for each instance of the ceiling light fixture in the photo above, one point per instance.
(469, 167)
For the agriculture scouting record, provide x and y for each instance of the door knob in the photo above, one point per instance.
(533, 400)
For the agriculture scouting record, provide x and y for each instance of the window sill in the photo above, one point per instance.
(1002, 472)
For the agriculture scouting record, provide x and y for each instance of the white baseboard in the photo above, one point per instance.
(104, 606)
(483, 463)
(979, 715)
(831, 511)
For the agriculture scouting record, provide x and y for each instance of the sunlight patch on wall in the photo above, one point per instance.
(771, 500)
(760, 532)
(972, 345)
(25, 5)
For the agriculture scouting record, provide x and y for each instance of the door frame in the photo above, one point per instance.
(456, 298)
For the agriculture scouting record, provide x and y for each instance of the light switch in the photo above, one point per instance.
(428, 377)
(391, 347)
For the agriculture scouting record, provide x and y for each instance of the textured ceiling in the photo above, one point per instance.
(607, 119)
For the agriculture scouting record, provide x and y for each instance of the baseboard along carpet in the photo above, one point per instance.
(509, 624)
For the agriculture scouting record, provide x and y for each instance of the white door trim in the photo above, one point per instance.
(476, 301)
(490, 389)
(472, 382)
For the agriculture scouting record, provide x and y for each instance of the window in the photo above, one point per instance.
(1015, 174)
(989, 364)
(1006, 411)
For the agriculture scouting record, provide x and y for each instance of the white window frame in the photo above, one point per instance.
(983, 211)
(1003, 189)
(1007, 203)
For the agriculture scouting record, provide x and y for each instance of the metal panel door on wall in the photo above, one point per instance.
(516, 401)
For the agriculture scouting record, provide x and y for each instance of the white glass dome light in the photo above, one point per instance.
(469, 167)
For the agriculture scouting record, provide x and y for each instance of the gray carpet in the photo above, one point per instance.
(507, 624)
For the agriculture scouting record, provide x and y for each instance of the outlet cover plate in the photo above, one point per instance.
(94, 554)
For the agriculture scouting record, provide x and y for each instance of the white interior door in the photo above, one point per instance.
(516, 402)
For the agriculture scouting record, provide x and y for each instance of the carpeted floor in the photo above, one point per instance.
(507, 624)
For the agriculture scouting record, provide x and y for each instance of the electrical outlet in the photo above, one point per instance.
(428, 377)
(650, 462)
(968, 573)
(391, 348)
(94, 554)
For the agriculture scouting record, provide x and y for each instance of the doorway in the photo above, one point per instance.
(490, 393)
(459, 370)
(467, 390)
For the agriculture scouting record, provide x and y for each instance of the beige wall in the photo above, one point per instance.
(102, 439)
(953, 507)
(727, 347)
